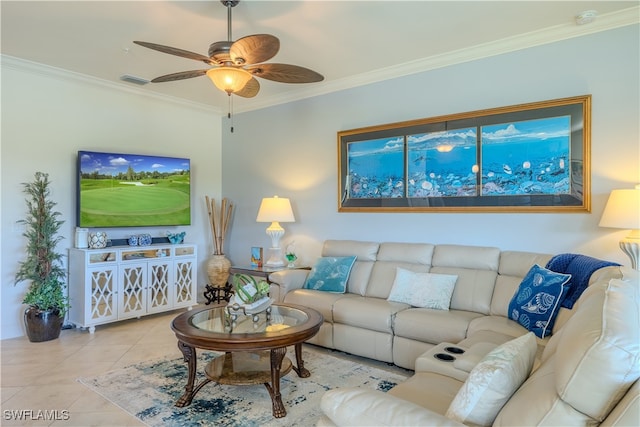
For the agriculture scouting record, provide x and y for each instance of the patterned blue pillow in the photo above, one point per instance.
(537, 302)
(330, 274)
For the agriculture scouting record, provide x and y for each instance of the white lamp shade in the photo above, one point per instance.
(275, 209)
(622, 210)
(229, 79)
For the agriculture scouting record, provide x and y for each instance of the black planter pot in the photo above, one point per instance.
(42, 325)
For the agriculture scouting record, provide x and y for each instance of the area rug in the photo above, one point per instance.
(149, 391)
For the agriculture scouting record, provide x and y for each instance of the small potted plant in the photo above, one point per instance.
(42, 266)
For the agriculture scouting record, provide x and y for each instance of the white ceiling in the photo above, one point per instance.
(349, 42)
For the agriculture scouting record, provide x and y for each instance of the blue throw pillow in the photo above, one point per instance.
(537, 302)
(330, 274)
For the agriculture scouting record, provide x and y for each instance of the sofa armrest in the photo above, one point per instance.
(287, 280)
(361, 407)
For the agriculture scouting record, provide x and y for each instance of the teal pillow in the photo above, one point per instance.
(330, 274)
(537, 302)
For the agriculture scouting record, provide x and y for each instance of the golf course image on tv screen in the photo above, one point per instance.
(132, 190)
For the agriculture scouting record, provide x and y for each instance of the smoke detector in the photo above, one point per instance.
(586, 17)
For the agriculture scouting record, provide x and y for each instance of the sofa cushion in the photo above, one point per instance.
(473, 289)
(365, 253)
(462, 256)
(444, 326)
(492, 382)
(537, 302)
(514, 265)
(498, 330)
(424, 290)
(366, 313)
(362, 407)
(431, 390)
(318, 300)
(518, 263)
(488, 337)
(330, 274)
(476, 268)
(410, 256)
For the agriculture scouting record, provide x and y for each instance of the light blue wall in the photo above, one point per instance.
(48, 115)
(291, 150)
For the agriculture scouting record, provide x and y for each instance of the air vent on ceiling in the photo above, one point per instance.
(134, 79)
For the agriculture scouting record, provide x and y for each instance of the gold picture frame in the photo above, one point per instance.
(531, 157)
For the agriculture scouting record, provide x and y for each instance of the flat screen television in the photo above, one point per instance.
(132, 190)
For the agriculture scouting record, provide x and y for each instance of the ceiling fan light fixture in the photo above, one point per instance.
(229, 79)
(235, 63)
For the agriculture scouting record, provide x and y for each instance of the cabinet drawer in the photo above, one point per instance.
(185, 251)
(144, 253)
(101, 257)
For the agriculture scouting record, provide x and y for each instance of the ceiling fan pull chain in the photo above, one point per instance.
(230, 112)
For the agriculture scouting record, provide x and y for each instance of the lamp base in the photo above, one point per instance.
(631, 247)
(275, 231)
(275, 258)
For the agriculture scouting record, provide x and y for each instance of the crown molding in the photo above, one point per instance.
(625, 17)
(66, 75)
(548, 35)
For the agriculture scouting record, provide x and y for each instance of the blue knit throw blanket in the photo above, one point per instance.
(580, 267)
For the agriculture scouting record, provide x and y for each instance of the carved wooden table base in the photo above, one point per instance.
(221, 370)
(255, 349)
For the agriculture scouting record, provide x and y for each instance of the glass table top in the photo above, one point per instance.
(221, 320)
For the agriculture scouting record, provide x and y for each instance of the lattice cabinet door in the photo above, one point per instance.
(160, 292)
(132, 292)
(103, 285)
(185, 282)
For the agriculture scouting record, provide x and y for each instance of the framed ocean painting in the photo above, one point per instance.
(523, 158)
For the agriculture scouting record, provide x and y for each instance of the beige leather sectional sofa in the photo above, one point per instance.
(563, 387)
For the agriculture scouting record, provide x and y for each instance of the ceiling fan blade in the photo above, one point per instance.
(285, 73)
(254, 49)
(249, 90)
(179, 76)
(175, 51)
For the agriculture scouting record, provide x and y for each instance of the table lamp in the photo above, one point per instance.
(623, 211)
(275, 210)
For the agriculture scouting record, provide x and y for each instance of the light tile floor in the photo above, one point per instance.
(42, 376)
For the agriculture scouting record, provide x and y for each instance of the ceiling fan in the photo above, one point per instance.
(236, 64)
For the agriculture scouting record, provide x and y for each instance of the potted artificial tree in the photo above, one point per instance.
(42, 265)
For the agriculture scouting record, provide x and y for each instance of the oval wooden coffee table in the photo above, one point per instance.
(255, 347)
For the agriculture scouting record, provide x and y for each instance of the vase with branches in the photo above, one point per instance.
(219, 221)
(42, 265)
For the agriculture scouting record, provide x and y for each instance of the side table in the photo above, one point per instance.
(217, 295)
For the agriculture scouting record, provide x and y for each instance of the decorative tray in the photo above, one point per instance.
(236, 306)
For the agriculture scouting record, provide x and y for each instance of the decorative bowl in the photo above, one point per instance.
(176, 238)
(144, 239)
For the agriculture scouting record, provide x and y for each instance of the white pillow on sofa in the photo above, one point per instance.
(425, 290)
(492, 382)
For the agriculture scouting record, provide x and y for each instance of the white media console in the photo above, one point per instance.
(121, 282)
